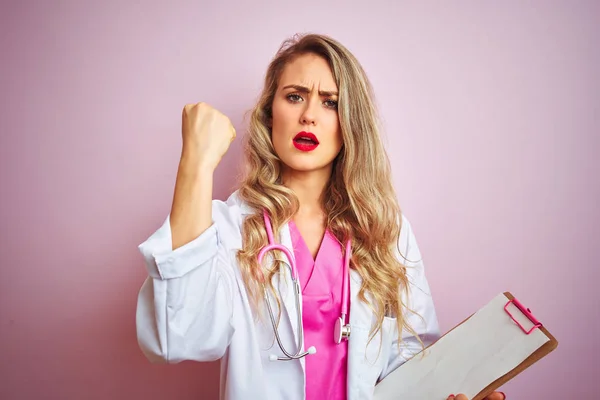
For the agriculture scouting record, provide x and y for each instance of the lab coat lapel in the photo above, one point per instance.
(283, 283)
(360, 323)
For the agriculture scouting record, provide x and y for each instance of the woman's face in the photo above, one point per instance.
(305, 126)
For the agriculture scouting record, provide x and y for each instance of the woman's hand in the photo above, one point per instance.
(493, 396)
(207, 134)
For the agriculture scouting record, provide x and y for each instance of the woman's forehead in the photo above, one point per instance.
(309, 70)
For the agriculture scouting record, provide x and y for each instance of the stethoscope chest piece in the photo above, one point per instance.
(341, 331)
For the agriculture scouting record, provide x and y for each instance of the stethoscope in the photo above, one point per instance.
(341, 330)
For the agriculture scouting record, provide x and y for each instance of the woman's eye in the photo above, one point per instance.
(331, 103)
(295, 98)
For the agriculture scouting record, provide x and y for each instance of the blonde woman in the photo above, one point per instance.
(344, 300)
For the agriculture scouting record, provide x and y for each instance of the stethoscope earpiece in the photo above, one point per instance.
(311, 350)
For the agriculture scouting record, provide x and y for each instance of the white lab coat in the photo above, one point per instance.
(194, 306)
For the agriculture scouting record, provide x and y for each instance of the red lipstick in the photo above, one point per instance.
(305, 141)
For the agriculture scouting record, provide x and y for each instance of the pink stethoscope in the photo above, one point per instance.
(341, 331)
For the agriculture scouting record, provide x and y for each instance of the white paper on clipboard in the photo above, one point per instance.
(466, 360)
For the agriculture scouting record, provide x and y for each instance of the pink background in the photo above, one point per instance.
(491, 113)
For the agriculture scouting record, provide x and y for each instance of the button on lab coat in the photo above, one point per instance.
(194, 306)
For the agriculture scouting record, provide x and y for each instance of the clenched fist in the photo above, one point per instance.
(207, 134)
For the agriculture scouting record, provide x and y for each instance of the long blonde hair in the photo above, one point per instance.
(360, 202)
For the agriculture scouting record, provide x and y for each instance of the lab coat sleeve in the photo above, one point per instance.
(423, 318)
(185, 306)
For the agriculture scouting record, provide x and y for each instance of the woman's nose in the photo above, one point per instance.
(309, 115)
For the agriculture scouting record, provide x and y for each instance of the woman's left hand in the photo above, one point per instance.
(493, 396)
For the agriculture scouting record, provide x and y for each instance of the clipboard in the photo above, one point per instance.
(470, 359)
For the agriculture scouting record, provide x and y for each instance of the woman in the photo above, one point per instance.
(319, 178)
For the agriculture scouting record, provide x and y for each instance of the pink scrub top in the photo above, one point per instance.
(321, 282)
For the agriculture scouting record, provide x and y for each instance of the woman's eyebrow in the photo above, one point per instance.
(304, 89)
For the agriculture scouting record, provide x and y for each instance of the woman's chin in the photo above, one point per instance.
(304, 166)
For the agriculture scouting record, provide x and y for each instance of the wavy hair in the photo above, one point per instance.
(359, 202)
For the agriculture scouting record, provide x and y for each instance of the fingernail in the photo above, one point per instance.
(503, 395)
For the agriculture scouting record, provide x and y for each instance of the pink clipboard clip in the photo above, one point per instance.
(528, 314)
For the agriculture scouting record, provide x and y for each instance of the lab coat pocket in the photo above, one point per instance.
(375, 351)
(389, 332)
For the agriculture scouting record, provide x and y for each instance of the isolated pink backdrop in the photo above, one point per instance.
(491, 116)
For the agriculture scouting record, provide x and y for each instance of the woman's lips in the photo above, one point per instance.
(305, 141)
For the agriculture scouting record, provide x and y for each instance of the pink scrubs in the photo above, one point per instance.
(321, 283)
